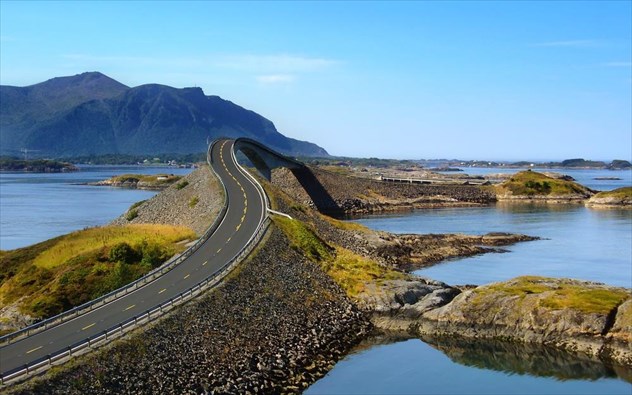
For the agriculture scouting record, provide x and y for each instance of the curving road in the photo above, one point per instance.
(246, 210)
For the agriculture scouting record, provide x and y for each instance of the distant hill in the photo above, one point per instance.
(92, 114)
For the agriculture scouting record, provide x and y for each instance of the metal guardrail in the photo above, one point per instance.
(118, 293)
(146, 317)
(156, 312)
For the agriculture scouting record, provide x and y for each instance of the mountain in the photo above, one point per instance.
(92, 114)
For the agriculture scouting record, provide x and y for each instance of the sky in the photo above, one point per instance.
(498, 80)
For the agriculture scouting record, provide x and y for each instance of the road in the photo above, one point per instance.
(246, 210)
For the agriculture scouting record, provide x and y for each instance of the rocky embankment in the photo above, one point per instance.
(276, 325)
(194, 201)
(339, 194)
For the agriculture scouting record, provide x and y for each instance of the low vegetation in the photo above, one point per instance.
(153, 179)
(349, 270)
(58, 274)
(558, 294)
(194, 201)
(619, 193)
(182, 184)
(35, 166)
(531, 183)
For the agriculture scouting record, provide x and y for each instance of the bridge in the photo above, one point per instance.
(240, 225)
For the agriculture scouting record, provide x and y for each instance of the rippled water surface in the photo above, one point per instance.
(36, 207)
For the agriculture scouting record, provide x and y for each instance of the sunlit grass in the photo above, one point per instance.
(558, 294)
(89, 240)
(349, 270)
(57, 274)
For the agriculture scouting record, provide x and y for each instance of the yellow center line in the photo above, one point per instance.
(89, 326)
(242, 217)
(229, 239)
(238, 226)
(187, 276)
(129, 307)
(219, 250)
(162, 290)
(205, 262)
(35, 349)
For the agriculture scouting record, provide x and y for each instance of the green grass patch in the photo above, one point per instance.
(348, 269)
(345, 225)
(194, 201)
(532, 183)
(131, 214)
(558, 294)
(182, 184)
(64, 272)
(157, 179)
(619, 193)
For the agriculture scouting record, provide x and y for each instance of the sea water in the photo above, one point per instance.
(37, 207)
(577, 242)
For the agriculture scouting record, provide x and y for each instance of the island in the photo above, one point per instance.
(9, 164)
(140, 181)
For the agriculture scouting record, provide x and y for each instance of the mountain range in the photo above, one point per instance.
(92, 114)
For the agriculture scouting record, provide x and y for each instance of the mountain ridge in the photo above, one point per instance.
(93, 114)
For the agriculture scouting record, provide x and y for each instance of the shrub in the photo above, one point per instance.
(131, 214)
(194, 200)
(182, 184)
(123, 252)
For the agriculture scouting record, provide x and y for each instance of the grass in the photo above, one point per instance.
(559, 294)
(194, 201)
(55, 275)
(151, 178)
(349, 270)
(92, 239)
(344, 225)
(531, 183)
(182, 184)
(619, 193)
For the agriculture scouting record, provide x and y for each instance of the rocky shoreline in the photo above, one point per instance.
(279, 322)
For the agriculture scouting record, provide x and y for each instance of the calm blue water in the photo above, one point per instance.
(415, 367)
(579, 243)
(36, 207)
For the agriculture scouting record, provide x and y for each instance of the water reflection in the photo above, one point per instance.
(530, 359)
(396, 365)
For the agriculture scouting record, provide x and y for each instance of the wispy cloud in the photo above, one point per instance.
(276, 79)
(569, 43)
(617, 64)
(274, 63)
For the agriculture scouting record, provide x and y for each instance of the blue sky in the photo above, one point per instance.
(471, 80)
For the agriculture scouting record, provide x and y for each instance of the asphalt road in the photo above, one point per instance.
(245, 211)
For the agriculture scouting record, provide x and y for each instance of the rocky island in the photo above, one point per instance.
(140, 181)
(35, 166)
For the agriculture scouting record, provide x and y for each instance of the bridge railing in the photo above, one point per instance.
(131, 287)
(103, 338)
